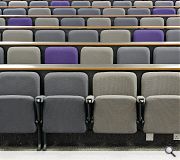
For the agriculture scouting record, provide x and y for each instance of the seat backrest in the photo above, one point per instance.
(160, 83)
(155, 21)
(46, 22)
(2, 3)
(115, 83)
(173, 35)
(122, 3)
(80, 3)
(38, 3)
(139, 11)
(89, 11)
(101, 3)
(61, 55)
(115, 36)
(19, 22)
(18, 35)
(14, 11)
(18, 3)
(50, 36)
(133, 55)
(164, 3)
(143, 3)
(166, 55)
(96, 55)
(173, 21)
(60, 3)
(64, 11)
(19, 83)
(83, 36)
(23, 55)
(177, 3)
(99, 22)
(113, 11)
(72, 22)
(39, 11)
(162, 11)
(146, 35)
(66, 83)
(2, 22)
(125, 22)
(1, 55)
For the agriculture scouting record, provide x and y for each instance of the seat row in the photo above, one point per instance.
(91, 55)
(88, 3)
(67, 108)
(148, 21)
(107, 36)
(89, 11)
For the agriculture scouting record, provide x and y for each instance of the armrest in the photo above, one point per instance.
(40, 99)
(141, 104)
(141, 99)
(90, 99)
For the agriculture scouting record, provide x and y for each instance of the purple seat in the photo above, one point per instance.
(19, 22)
(60, 3)
(61, 55)
(146, 35)
(164, 11)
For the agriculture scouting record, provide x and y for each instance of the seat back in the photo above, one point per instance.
(139, 11)
(164, 3)
(113, 11)
(143, 3)
(89, 11)
(2, 22)
(1, 55)
(39, 11)
(101, 3)
(99, 22)
(2, 3)
(14, 11)
(20, 22)
(64, 11)
(80, 3)
(162, 11)
(18, 3)
(173, 35)
(125, 22)
(155, 21)
(72, 22)
(47, 22)
(122, 3)
(60, 3)
(173, 21)
(38, 3)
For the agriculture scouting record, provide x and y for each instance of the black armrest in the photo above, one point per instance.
(141, 101)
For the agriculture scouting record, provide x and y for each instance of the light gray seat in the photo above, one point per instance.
(64, 11)
(64, 105)
(89, 11)
(143, 3)
(139, 11)
(116, 36)
(113, 11)
(23, 55)
(177, 3)
(80, 3)
(155, 21)
(115, 102)
(2, 3)
(72, 22)
(96, 55)
(38, 3)
(99, 22)
(173, 21)
(122, 3)
(17, 101)
(46, 22)
(125, 22)
(164, 3)
(17, 35)
(133, 55)
(178, 11)
(162, 94)
(14, 11)
(18, 3)
(1, 55)
(101, 3)
(83, 36)
(50, 36)
(166, 55)
(39, 11)
(173, 35)
(2, 22)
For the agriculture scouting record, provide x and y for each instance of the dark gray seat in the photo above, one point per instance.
(139, 11)
(14, 11)
(80, 3)
(72, 22)
(173, 35)
(89, 11)
(64, 11)
(38, 3)
(122, 3)
(46, 22)
(1, 55)
(125, 22)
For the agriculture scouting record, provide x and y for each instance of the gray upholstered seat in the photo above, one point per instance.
(89, 11)
(164, 3)
(38, 3)
(2, 22)
(101, 3)
(17, 35)
(122, 3)
(177, 3)
(64, 11)
(155, 21)
(115, 36)
(133, 55)
(80, 3)
(1, 55)
(23, 55)
(96, 55)
(17, 98)
(14, 11)
(162, 109)
(83, 36)
(173, 21)
(72, 22)
(139, 11)
(166, 55)
(125, 22)
(47, 22)
(39, 11)
(115, 102)
(143, 3)
(113, 11)
(173, 35)
(64, 106)
(2, 3)
(50, 36)
(99, 22)
(18, 3)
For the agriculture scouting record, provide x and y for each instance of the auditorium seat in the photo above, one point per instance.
(38, 3)
(2, 3)
(161, 11)
(173, 35)
(164, 3)
(125, 22)
(18, 35)
(166, 55)
(162, 94)
(115, 102)
(146, 35)
(39, 11)
(80, 3)
(115, 36)
(64, 104)
(173, 21)
(60, 3)
(14, 11)
(99, 22)
(96, 55)
(18, 3)
(155, 21)
(133, 55)
(61, 55)
(89, 11)
(46, 22)
(64, 11)
(101, 3)
(122, 3)
(83, 36)
(143, 3)
(2, 22)
(139, 11)
(23, 55)
(19, 22)
(17, 101)
(72, 22)
(114, 11)
(1, 55)
(50, 36)
(177, 3)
